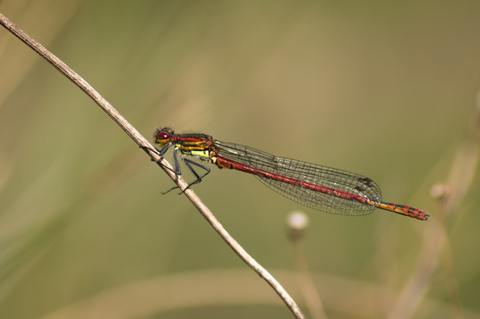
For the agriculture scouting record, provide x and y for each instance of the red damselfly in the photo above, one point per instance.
(319, 187)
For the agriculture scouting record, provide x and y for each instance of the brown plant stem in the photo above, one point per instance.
(148, 148)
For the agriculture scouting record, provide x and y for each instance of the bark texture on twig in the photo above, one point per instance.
(147, 147)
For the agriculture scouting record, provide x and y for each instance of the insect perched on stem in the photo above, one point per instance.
(319, 187)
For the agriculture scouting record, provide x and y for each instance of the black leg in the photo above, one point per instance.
(158, 152)
(151, 149)
(165, 149)
(176, 170)
(199, 178)
(161, 153)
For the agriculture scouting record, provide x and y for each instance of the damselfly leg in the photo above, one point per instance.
(177, 167)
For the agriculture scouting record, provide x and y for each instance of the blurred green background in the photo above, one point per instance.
(384, 89)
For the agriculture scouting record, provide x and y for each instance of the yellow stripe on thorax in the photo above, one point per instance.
(202, 154)
(192, 146)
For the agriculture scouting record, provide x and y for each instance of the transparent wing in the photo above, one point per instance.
(316, 174)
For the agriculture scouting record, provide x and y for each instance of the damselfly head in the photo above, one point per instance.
(163, 136)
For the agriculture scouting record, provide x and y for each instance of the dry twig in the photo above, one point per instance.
(148, 148)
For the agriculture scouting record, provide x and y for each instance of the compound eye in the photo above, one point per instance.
(162, 138)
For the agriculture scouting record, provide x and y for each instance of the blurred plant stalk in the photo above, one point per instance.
(436, 245)
(297, 222)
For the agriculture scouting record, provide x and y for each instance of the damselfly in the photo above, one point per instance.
(319, 187)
